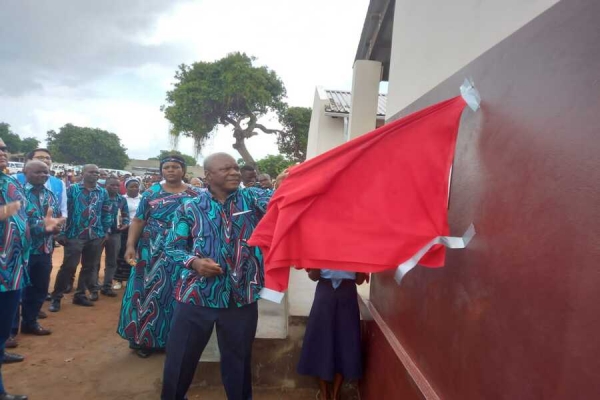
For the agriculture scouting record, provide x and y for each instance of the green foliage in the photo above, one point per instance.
(79, 145)
(293, 140)
(189, 160)
(29, 144)
(229, 92)
(14, 142)
(273, 165)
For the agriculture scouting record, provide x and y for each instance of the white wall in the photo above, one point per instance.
(324, 132)
(435, 38)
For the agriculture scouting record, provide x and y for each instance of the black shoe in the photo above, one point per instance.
(144, 353)
(7, 396)
(69, 289)
(108, 292)
(11, 358)
(54, 306)
(48, 297)
(82, 301)
(42, 315)
(36, 330)
(94, 296)
(11, 343)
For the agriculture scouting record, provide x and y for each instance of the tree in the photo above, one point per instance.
(293, 140)
(228, 92)
(79, 145)
(273, 165)
(29, 144)
(14, 142)
(11, 139)
(189, 160)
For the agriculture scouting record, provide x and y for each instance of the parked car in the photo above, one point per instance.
(14, 167)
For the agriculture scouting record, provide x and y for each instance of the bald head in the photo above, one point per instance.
(89, 175)
(36, 172)
(222, 174)
(210, 161)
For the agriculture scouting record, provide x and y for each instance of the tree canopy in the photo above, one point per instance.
(232, 92)
(292, 141)
(14, 142)
(80, 145)
(273, 165)
(189, 160)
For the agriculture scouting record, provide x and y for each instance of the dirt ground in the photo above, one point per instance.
(85, 359)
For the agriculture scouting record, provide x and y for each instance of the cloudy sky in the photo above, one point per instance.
(107, 64)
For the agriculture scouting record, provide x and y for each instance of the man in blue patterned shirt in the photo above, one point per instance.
(220, 281)
(41, 203)
(120, 221)
(88, 225)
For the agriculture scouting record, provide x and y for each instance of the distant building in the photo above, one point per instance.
(142, 167)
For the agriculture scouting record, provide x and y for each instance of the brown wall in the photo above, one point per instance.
(517, 314)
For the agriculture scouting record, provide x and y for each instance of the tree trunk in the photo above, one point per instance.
(240, 146)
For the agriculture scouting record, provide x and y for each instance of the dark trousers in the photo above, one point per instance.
(112, 245)
(9, 302)
(40, 268)
(86, 251)
(190, 332)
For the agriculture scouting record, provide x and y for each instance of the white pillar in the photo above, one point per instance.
(365, 96)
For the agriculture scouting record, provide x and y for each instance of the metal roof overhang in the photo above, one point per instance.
(376, 38)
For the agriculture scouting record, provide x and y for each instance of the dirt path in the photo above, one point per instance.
(85, 359)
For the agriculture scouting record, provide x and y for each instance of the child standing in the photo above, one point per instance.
(331, 349)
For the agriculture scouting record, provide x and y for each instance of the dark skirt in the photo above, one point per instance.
(332, 339)
(123, 267)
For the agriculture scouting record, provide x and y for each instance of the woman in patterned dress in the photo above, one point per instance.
(148, 302)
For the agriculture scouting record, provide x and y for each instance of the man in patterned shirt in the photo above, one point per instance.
(41, 203)
(120, 221)
(88, 225)
(220, 280)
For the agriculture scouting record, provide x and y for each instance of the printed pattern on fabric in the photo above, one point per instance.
(14, 231)
(118, 204)
(42, 242)
(89, 212)
(148, 303)
(220, 232)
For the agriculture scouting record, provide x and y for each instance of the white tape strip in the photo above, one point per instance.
(470, 94)
(271, 295)
(451, 242)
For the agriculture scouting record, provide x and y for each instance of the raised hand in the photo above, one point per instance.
(52, 224)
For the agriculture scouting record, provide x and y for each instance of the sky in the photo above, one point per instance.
(108, 64)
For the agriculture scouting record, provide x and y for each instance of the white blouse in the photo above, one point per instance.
(132, 204)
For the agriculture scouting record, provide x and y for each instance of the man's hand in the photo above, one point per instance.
(280, 178)
(61, 239)
(123, 227)
(206, 267)
(52, 224)
(314, 274)
(10, 209)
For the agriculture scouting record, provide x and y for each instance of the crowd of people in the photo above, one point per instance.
(180, 246)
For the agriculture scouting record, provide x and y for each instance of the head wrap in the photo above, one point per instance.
(131, 179)
(175, 159)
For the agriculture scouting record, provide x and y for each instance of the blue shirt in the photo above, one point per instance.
(89, 212)
(206, 228)
(42, 242)
(14, 238)
(57, 187)
(336, 276)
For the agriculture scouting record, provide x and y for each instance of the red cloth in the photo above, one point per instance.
(367, 205)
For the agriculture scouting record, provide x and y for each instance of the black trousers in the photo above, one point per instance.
(191, 329)
(9, 303)
(40, 268)
(88, 251)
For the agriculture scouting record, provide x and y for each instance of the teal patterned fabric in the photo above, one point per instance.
(42, 242)
(148, 302)
(14, 238)
(89, 212)
(206, 228)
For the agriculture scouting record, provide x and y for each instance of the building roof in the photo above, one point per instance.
(376, 39)
(340, 102)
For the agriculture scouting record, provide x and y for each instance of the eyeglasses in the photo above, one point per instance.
(48, 158)
(4, 148)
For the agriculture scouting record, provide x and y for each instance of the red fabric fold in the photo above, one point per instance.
(367, 205)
